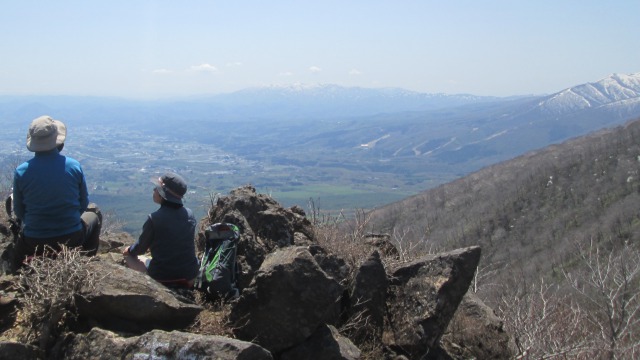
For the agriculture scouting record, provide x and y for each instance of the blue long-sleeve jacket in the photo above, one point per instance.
(49, 195)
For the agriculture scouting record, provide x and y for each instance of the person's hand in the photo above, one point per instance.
(126, 251)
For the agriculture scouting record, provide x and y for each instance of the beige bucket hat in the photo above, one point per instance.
(45, 134)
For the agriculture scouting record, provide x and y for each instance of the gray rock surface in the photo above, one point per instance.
(425, 296)
(126, 300)
(158, 344)
(288, 300)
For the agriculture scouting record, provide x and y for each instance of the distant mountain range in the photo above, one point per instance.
(354, 136)
(452, 134)
(331, 101)
(327, 101)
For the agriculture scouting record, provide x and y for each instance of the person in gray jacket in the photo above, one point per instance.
(169, 235)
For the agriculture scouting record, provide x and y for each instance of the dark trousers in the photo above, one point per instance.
(88, 238)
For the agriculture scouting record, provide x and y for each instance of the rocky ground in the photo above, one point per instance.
(298, 299)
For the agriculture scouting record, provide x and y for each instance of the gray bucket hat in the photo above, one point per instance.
(171, 187)
(45, 134)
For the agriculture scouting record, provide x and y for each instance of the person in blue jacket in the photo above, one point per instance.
(169, 234)
(50, 197)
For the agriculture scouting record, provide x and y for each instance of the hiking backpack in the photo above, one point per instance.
(218, 267)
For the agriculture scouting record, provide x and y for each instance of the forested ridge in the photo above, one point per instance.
(561, 224)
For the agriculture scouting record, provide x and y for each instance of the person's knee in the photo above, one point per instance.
(91, 220)
(94, 209)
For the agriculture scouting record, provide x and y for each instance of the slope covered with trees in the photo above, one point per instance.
(560, 233)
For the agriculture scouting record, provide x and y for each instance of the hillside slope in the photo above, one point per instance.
(526, 213)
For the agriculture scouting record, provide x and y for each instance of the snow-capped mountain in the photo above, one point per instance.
(616, 88)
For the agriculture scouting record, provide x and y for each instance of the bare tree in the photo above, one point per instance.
(544, 323)
(609, 294)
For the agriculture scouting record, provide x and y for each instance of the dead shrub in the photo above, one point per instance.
(340, 236)
(47, 285)
(213, 320)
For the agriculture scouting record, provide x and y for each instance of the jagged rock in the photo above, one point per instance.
(289, 298)
(476, 332)
(12, 351)
(111, 246)
(264, 225)
(158, 344)
(424, 295)
(266, 218)
(113, 241)
(300, 239)
(8, 261)
(259, 211)
(326, 343)
(367, 297)
(126, 300)
(8, 313)
(333, 265)
(382, 242)
(4, 230)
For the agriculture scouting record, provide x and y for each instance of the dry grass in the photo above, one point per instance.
(47, 286)
(213, 320)
(347, 238)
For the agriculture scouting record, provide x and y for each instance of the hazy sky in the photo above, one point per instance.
(138, 48)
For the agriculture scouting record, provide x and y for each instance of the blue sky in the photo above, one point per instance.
(149, 49)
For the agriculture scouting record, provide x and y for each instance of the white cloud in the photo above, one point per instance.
(204, 68)
(314, 69)
(355, 72)
(286, 73)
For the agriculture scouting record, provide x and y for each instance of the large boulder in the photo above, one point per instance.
(475, 332)
(333, 265)
(423, 297)
(158, 344)
(367, 300)
(325, 344)
(123, 299)
(289, 298)
(10, 350)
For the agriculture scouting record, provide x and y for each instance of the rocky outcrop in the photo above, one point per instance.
(264, 226)
(297, 300)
